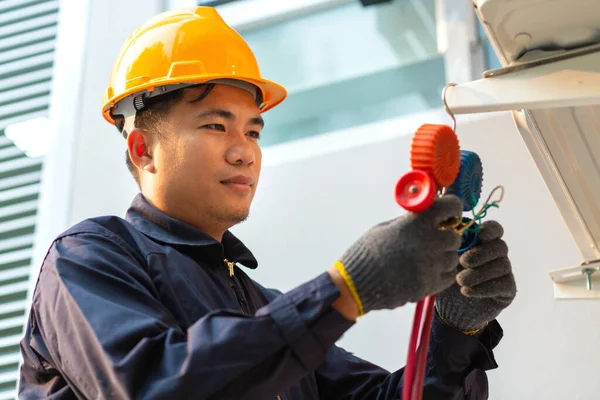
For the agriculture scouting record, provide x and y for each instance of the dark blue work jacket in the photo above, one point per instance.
(146, 308)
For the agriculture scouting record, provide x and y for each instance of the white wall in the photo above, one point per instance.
(100, 176)
(336, 187)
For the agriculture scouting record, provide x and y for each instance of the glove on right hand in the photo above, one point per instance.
(405, 259)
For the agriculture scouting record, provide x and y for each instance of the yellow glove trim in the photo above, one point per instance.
(342, 270)
(468, 333)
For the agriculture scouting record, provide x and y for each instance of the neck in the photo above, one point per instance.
(189, 215)
(213, 232)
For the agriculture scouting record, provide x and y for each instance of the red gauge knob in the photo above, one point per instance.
(416, 191)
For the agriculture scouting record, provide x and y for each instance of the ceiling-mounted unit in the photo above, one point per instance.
(550, 80)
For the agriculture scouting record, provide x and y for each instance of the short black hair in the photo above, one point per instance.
(154, 112)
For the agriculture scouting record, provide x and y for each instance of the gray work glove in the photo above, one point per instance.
(485, 284)
(405, 259)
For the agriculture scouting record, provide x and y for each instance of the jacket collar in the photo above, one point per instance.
(159, 226)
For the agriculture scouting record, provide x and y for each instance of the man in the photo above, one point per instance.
(155, 306)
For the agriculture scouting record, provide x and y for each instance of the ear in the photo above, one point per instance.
(139, 144)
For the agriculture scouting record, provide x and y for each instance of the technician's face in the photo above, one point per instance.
(209, 163)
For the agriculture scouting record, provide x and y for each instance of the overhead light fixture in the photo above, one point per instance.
(367, 3)
(33, 136)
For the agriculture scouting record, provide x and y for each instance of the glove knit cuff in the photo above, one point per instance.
(452, 313)
(357, 265)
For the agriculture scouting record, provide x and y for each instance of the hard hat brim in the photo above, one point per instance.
(272, 92)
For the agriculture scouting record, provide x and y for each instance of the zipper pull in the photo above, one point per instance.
(230, 265)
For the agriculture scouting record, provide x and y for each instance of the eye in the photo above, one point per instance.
(217, 127)
(254, 134)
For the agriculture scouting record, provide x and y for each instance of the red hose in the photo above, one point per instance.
(429, 309)
(409, 370)
(414, 372)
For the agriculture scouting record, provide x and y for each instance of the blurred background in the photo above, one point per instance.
(362, 77)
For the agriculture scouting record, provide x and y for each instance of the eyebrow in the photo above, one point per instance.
(228, 115)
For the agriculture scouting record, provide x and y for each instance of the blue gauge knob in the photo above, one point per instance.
(469, 181)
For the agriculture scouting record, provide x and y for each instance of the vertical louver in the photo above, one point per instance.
(27, 40)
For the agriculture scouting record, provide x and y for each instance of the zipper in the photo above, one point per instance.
(230, 266)
(234, 288)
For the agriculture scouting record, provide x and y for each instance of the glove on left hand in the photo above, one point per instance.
(485, 284)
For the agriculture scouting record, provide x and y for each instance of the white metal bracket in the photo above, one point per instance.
(569, 79)
(580, 282)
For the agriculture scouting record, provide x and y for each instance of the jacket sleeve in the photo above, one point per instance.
(455, 369)
(101, 322)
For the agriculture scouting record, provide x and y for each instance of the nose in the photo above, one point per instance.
(240, 153)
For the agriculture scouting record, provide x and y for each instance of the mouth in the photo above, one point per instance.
(239, 183)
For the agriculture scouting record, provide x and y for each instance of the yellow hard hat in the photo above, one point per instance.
(180, 48)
